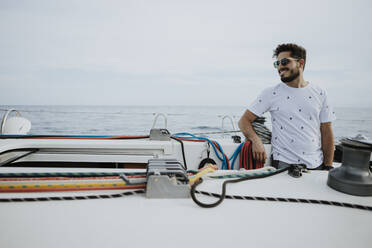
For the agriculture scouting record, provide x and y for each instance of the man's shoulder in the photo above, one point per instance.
(318, 91)
(316, 88)
(271, 89)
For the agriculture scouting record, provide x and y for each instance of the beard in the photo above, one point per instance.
(293, 75)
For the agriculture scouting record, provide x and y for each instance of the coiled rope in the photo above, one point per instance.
(246, 157)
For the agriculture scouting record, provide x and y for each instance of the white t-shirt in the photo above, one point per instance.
(296, 114)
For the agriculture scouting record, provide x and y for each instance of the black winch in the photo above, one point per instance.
(353, 176)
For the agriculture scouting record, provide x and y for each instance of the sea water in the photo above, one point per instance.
(138, 120)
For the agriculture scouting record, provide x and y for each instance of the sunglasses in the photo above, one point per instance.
(284, 62)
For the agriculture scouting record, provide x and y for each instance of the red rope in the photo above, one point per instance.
(227, 159)
(246, 157)
(70, 189)
(66, 178)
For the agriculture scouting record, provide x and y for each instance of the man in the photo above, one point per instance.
(300, 113)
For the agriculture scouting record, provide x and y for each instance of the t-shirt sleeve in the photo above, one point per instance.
(327, 113)
(261, 104)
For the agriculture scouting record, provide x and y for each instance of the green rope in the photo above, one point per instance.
(242, 175)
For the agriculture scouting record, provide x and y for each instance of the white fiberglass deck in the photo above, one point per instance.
(135, 221)
(130, 151)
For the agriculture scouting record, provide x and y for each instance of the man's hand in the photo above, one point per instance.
(245, 125)
(258, 150)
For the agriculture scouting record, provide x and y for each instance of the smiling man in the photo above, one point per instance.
(301, 116)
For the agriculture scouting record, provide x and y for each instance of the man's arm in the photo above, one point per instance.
(328, 146)
(245, 125)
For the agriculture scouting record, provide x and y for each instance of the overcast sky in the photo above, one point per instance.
(147, 52)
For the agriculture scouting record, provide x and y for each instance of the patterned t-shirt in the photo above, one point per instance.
(296, 114)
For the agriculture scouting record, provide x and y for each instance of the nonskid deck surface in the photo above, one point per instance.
(136, 221)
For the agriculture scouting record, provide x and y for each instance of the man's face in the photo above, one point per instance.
(290, 71)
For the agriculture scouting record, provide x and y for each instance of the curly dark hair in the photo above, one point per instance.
(296, 51)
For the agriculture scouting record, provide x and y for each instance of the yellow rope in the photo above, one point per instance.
(205, 170)
(69, 185)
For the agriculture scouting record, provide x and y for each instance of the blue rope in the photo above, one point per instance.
(210, 142)
(223, 159)
(235, 155)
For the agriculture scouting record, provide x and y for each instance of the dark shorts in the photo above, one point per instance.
(280, 164)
